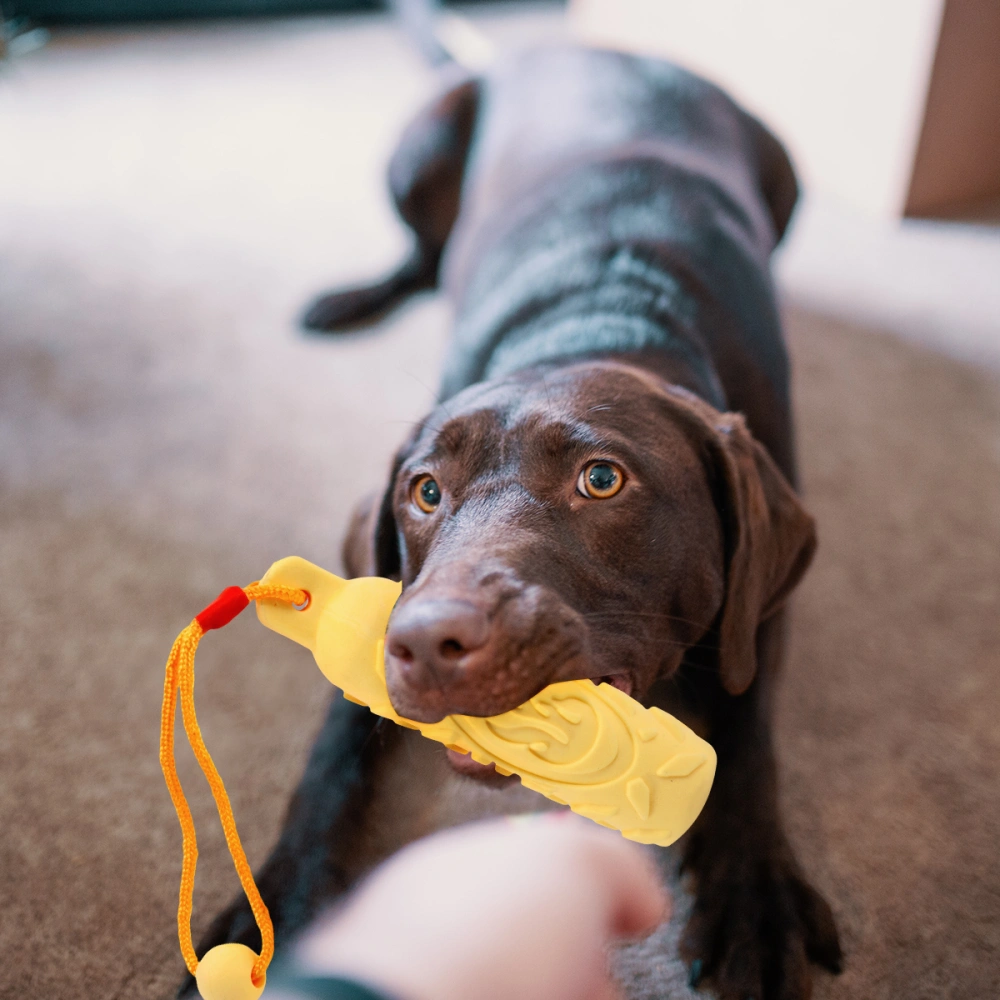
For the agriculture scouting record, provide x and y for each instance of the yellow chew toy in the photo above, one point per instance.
(590, 747)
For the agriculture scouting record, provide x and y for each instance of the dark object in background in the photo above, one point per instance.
(110, 11)
(106, 11)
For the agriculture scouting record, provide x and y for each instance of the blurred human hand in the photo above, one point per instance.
(502, 910)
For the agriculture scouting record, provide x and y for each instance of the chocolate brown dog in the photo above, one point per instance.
(606, 489)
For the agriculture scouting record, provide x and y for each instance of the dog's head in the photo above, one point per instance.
(588, 521)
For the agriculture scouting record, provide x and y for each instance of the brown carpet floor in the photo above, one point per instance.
(164, 432)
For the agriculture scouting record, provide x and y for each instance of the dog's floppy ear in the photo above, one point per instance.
(358, 549)
(776, 177)
(371, 544)
(770, 540)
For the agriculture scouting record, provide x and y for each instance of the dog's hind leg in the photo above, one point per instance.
(425, 181)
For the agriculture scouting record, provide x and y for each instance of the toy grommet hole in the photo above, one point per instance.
(305, 603)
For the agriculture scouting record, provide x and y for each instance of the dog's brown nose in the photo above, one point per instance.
(430, 639)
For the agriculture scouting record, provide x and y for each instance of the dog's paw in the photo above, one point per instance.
(756, 927)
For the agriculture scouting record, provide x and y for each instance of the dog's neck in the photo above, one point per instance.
(636, 340)
(638, 311)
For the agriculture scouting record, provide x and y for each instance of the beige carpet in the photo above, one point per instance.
(166, 204)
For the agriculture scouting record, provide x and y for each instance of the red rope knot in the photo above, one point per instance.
(223, 609)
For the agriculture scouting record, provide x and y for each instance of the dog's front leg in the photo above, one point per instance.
(313, 861)
(757, 923)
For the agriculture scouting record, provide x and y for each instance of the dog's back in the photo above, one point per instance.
(614, 204)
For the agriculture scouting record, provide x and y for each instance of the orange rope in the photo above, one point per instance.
(180, 679)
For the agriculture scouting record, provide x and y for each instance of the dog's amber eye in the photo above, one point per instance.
(426, 494)
(600, 480)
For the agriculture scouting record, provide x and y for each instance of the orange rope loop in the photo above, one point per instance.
(180, 680)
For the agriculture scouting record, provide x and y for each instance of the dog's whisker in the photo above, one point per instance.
(655, 615)
(690, 667)
(644, 614)
(422, 384)
(404, 423)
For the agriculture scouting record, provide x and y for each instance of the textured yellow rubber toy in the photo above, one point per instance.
(590, 747)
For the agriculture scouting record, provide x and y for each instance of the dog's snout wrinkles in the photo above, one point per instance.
(431, 638)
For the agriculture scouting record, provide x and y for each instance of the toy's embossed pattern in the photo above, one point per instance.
(592, 748)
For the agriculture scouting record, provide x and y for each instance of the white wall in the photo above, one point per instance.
(842, 82)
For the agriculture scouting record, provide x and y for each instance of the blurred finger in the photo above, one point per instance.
(638, 901)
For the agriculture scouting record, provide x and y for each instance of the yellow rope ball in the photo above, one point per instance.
(224, 974)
